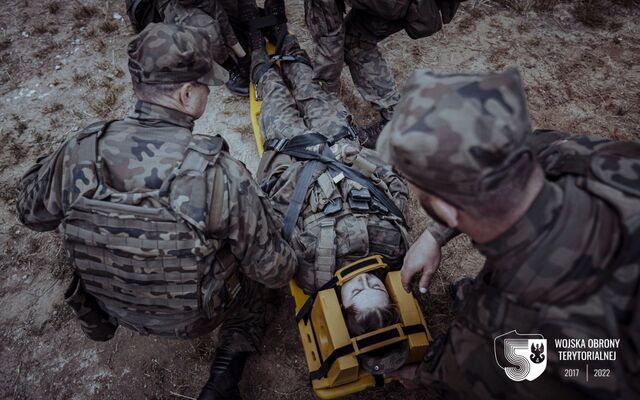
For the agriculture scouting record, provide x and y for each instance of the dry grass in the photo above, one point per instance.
(5, 43)
(85, 12)
(53, 7)
(55, 107)
(108, 26)
(104, 107)
(79, 78)
(589, 12)
(49, 46)
(545, 5)
(20, 125)
(244, 130)
(523, 6)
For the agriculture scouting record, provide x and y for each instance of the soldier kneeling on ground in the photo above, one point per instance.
(557, 217)
(339, 202)
(169, 235)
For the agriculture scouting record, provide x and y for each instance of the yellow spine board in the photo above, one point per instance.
(345, 377)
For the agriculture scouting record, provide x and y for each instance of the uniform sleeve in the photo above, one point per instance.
(253, 230)
(441, 233)
(40, 203)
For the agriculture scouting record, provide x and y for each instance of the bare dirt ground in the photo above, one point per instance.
(63, 65)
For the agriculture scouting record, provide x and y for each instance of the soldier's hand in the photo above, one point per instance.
(423, 256)
(406, 375)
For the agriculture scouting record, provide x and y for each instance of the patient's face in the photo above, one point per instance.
(365, 291)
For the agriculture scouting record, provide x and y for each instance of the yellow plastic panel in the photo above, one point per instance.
(410, 314)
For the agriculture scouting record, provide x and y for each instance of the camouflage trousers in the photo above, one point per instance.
(218, 18)
(294, 103)
(353, 40)
(242, 326)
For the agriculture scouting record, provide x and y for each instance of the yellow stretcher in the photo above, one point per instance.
(326, 329)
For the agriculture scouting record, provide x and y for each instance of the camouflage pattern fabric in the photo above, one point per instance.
(553, 273)
(354, 39)
(432, 145)
(170, 53)
(569, 268)
(297, 105)
(138, 154)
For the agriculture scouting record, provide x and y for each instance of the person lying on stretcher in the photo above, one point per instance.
(339, 202)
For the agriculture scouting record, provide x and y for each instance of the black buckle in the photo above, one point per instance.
(281, 144)
(377, 206)
(285, 58)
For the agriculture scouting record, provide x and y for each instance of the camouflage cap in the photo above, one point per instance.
(169, 53)
(459, 134)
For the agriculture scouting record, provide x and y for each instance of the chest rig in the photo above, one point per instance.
(144, 254)
(338, 212)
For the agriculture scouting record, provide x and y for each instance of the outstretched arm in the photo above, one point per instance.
(253, 230)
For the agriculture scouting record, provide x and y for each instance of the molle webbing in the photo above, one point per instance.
(296, 148)
(148, 275)
(139, 256)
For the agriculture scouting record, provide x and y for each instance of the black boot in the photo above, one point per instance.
(277, 34)
(238, 82)
(368, 135)
(226, 372)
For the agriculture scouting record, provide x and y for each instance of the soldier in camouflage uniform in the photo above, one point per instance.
(557, 217)
(169, 235)
(221, 19)
(338, 220)
(354, 39)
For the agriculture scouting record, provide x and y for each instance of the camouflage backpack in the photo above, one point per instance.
(144, 255)
(338, 212)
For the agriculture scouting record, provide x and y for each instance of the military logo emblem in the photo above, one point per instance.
(521, 356)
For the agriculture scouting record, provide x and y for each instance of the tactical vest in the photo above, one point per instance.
(339, 212)
(608, 170)
(144, 255)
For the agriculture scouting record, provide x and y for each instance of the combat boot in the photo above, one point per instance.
(226, 372)
(368, 135)
(279, 31)
(238, 83)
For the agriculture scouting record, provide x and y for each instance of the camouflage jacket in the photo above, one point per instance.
(569, 268)
(138, 154)
(327, 238)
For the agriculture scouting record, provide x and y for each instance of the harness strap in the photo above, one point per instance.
(362, 344)
(296, 148)
(326, 251)
(297, 200)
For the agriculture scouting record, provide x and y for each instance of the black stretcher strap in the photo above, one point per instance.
(297, 200)
(362, 343)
